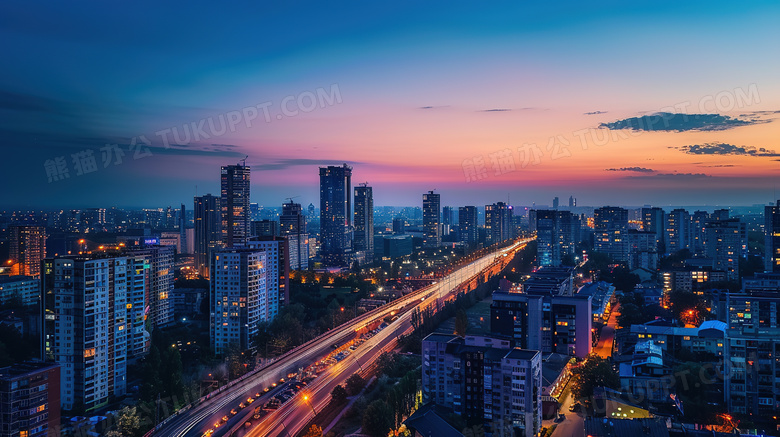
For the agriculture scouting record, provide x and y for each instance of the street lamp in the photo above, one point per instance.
(306, 400)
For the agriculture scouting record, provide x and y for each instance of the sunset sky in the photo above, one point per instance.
(425, 93)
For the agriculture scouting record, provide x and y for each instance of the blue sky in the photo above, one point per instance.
(79, 76)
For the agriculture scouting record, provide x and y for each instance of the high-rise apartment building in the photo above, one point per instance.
(498, 223)
(678, 231)
(611, 232)
(234, 205)
(86, 326)
(277, 272)
(557, 233)
(467, 224)
(208, 235)
(447, 220)
(364, 221)
(486, 381)
(161, 266)
(431, 220)
(238, 297)
(654, 220)
(725, 244)
(292, 225)
(772, 238)
(27, 244)
(336, 231)
(30, 400)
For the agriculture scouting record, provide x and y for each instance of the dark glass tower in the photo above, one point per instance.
(364, 220)
(335, 215)
(207, 231)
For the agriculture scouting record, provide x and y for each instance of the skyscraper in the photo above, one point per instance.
(572, 202)
(292, 224)
(431, 219)
(611, 232)
(336, 215)
(234, 205)
(277, 273)
(208, 235)
(498, 222)
(555, 202)
(238, 297)
(27, 249)
(467, 224)
(364, 220)
(772, 238)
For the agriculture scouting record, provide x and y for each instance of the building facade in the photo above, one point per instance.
(30, 400)
(467, 224)
(208, 234)
(239, 300)
(27, 248)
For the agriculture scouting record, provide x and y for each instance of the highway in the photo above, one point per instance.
(290, 418)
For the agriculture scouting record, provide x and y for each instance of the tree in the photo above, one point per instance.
(128, 424)
(355, 384)
(314, 431)
(377, 419)
(338, 395)
(593, 372)
(461, 322)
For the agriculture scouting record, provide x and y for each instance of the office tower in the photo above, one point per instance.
(182, 230)
(292, 225)
(484, 381)
(698, 222)
(611, 228)
(654, 220)
(725, 244)
(399, 225)
(336, 215)
(277, 272)
(161, 266)
(467, 224)
(446, 220)
(266, 228)
(557, 234)
(572, 202)
(30, 400)
(311, 211)
(364, 220)
(431, 219)
(238, 297)
(555, 203)
(772, 238)
(678, 231)
(234, 205)
(498, 223)
(25, 290)
(208, 235)
(86, 330)
(27, 245)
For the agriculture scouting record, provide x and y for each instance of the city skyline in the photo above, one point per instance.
(410, 99)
